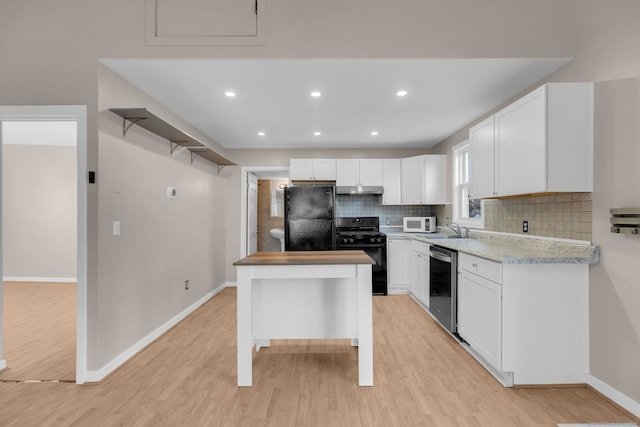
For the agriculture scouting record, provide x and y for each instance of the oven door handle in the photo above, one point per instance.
(439, 256)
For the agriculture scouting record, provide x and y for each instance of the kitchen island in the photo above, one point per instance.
(304, 295)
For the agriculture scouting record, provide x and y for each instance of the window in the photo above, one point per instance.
(466, 212)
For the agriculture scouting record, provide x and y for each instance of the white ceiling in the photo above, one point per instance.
(358, 96)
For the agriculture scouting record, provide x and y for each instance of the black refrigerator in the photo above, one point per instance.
(309, 218)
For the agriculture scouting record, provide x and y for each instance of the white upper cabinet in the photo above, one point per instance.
(413, 180)
(312, 169)
(482, 182)
(435, 167)
(351, 172)
(392, 181)
(542, 143)
(347, 172)
(424, 179)
(521, 145)
(419, 180)
(371, 172)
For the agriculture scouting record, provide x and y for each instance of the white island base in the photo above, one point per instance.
(304, 295)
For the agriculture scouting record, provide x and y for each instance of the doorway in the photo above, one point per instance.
(262, 207)
(271, 214)
(39, 191)
(43, 251)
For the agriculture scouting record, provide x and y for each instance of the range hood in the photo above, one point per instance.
(359, 189)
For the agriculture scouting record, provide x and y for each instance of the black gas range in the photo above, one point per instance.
(364, 233)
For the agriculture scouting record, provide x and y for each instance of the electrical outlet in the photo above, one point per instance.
(388, 221)
(525, 226)
(186, 285)
(447, 221)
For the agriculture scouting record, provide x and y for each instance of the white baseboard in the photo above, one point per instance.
(230, 284)
(398, 290)
(3, 364)
(40, 279)
(620, 398)
(99, 375)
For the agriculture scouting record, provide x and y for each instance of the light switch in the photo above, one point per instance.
(116, 228)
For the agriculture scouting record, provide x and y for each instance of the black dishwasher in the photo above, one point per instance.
(443, 287)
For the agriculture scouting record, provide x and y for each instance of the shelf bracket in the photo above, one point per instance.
(194, 150)
(176, 144)
(132, 121)
(220, 167)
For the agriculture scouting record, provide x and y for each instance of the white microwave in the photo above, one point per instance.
(419, 224)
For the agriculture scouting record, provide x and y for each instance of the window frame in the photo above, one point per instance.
(459, 187)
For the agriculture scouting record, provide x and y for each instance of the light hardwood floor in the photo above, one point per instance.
(39, 331)
(188, 377)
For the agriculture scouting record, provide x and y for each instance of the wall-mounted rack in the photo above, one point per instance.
(177, 138)
(625, 220)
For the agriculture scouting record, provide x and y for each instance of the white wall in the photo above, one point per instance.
(39, 212)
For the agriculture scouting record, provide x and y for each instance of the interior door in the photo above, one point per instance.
(252, 213)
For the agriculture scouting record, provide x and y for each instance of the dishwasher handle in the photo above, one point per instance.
(439, 255)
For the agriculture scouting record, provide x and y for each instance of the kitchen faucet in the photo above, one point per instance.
(458, 230)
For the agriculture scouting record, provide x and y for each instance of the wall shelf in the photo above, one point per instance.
(625, 220)
(177, 138)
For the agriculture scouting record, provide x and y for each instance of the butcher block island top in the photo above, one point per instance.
(306, 258)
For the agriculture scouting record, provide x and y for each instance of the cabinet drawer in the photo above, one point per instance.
(480, 266)
(420, 247)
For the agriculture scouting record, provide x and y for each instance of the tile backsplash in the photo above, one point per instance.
(566, 215)
(369, 205)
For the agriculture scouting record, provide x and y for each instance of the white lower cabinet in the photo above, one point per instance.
(480, 316)
(419, 271)
(397, 265)
(529, 322)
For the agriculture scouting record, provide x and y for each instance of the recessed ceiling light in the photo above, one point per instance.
(374, 133)
(316, 94)
(401, 93)
(230, 93)
(261, 133)
(317, 133)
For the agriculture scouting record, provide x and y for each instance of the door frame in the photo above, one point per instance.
(77, 113)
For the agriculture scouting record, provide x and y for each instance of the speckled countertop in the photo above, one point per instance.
(509, 249)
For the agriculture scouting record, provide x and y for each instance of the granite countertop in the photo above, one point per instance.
(510, 249)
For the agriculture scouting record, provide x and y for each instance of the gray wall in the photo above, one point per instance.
(39, 211)
(163, 241)
(608, 38)
(50, 53)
